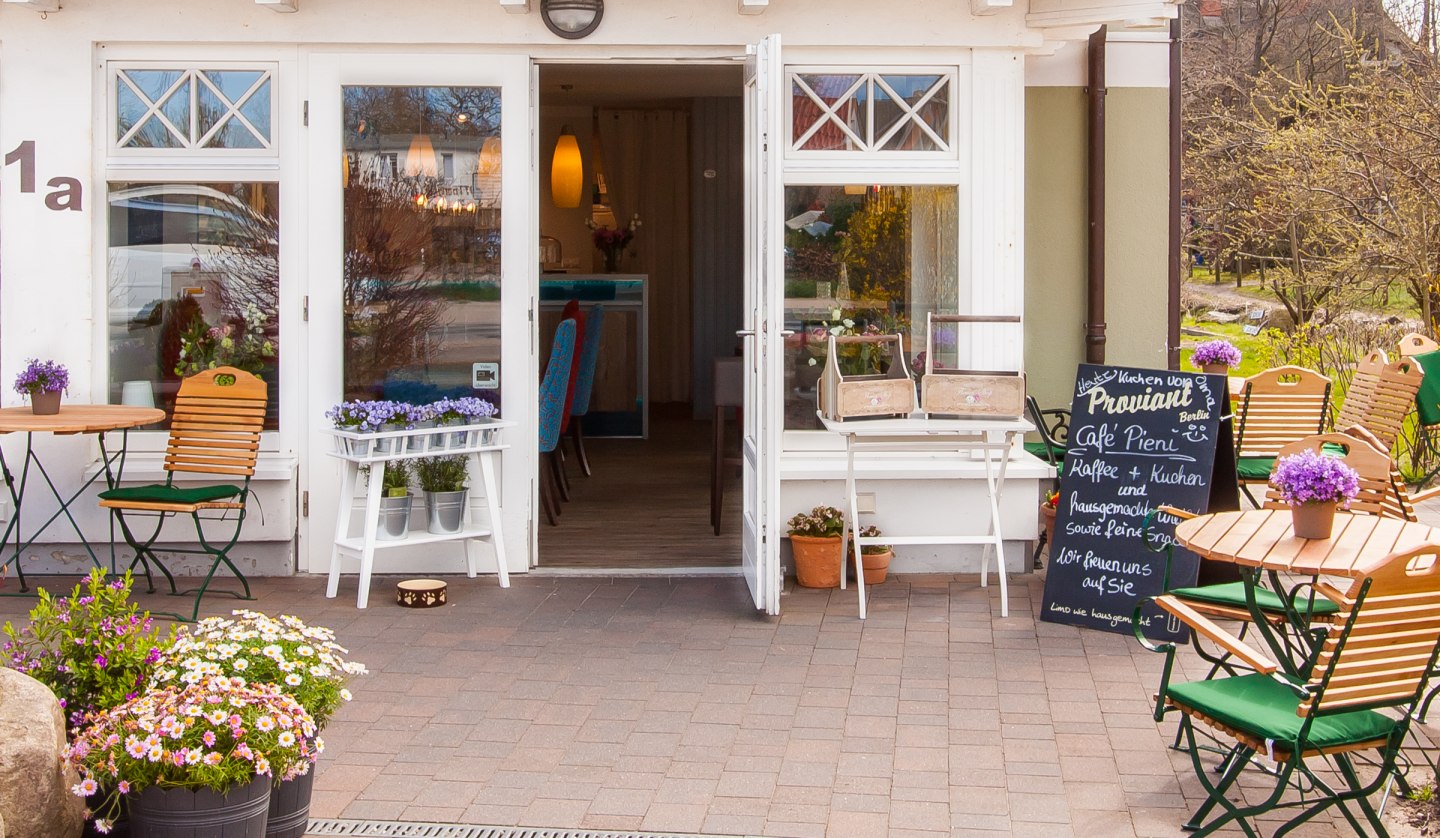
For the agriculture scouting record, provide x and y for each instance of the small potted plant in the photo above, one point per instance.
(1314, 483)
(1216, 356)
(193, 759)
(43, 382)
(817, 542)
(875, 558)
(395, 501)
(1048, 509)
(463, 411)
(350, 416)
(304, 661)
(383, 416)
(443, 479)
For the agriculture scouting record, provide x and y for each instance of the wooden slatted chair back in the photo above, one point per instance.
(216, 424)
(1280, 406)
(1379, 494)
(1381, 394)
(1384, 655)
(1416, 344)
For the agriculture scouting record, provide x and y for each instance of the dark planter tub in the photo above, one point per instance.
(184, 813)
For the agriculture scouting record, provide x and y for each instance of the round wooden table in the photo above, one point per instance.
(1263, 538)
(72, 419)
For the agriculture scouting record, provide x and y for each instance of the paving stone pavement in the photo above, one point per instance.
(669, 704)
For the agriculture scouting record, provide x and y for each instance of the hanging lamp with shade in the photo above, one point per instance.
(420, 158)
(567, 174)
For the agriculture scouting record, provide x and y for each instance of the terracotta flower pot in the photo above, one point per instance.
(1313, 520)
(817, 560)
(1047, 513)
(876, 565)
(1215, 369)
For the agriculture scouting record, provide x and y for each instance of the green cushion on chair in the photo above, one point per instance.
(1263, 707)
(1233, 594)
(161, 493)
(1254, 468)
(1046, 452)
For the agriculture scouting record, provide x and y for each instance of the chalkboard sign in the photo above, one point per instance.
(1138, 439)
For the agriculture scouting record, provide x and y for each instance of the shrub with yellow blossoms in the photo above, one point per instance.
(303, 661)
(216, 733)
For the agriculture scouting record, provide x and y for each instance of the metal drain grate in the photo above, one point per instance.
(416, 829)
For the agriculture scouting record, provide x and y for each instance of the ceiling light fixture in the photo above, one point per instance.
(572, 19)
(567, 174)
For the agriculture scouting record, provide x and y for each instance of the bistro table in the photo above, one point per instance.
(72, 419)
(1263, 540)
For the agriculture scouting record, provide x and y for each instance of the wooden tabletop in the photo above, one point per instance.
(1263, 538)
(78, 418)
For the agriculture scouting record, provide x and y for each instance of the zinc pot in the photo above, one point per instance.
(45, 403)
(290, 806)
(417, 442)
(817, 560)
(240, 812)
(444, 511)
(394, 518)
(1313, 520)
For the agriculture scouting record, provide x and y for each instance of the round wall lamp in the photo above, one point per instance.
(572, 19)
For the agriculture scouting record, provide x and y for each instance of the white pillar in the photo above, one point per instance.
(994, 281)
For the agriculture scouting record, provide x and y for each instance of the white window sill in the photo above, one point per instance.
(149, 467)
(830, 465)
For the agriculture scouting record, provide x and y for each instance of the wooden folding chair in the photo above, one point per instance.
(1276, 407)
(1360, 695)
(1381, 395)
(214, 430)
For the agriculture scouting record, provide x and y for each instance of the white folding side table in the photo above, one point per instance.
(919, 434)
(478, 442)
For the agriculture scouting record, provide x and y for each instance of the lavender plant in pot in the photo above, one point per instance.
(1314, 483)
(817, 543)
(43, 382)
(1216, 357)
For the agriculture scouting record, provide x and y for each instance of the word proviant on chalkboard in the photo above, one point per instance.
(1139, 439)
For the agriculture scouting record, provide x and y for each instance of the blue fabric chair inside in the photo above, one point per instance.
(585, 381)
(552, 409)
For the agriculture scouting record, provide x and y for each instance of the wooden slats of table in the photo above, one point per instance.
(1263, 538)
(78, 419)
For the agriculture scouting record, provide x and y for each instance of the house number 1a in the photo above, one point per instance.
(67, 190)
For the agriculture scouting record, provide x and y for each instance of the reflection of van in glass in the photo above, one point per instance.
(164, 239)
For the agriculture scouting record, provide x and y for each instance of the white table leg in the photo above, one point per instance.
(372, 523)
(854, 525)
(492, 505)
(349, 471)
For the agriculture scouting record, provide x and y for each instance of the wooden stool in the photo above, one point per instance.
(729, 392)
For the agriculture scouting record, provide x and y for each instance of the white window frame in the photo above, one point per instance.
(199, 165)
(952, 74)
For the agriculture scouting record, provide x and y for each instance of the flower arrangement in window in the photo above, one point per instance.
(612, 241)
(855, 359)
(240, 342)
(1215, 353)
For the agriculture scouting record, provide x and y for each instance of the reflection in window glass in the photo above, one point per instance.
(862, 259)
(422, 241)
(232, 109)
(193, 284)
(870, 112)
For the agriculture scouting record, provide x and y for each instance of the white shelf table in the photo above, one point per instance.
(478, 441)
(920, 434)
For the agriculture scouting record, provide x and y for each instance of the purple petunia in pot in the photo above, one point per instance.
(42, 377)
(1314, 483)
(1215, 353)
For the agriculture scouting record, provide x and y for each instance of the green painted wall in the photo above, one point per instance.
(1136, 233)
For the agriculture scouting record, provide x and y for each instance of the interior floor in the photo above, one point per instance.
(646, 504)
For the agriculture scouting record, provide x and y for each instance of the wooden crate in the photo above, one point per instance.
(969, 394)
(844, 396)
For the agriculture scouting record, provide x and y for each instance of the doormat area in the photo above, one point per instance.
(416, 829)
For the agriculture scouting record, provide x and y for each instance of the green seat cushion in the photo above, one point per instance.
(1046, 452)
(1263, 707)
(1254, 468)
(161, 493)
(1233, 594)
(1427, 399)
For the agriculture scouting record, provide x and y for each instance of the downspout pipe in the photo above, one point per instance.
(1176, 230)
(1095, 208)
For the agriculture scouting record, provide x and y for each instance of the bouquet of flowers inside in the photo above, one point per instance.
(304, 661)
(612, 240)
(217, 733)
(241, 343)
(1215, 352)
(1315, 477)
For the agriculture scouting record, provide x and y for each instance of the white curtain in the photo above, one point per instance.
(646, 157)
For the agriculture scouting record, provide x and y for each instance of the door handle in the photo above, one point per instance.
(745, 333)
(785, 333)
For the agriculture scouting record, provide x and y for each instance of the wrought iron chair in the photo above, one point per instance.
(1360, 695)
(1277, 407)
(215, 431)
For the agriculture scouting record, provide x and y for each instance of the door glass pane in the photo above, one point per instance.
(422, 247)
(194, 283)
(862, 259)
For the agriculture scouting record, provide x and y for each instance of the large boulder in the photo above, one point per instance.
(35, 796)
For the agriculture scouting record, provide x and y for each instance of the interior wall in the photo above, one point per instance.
(568, 225)
(717, 179)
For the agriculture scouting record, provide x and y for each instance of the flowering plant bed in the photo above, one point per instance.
(1313, 477)
(94, 649)
(303, 660)
(218, 733)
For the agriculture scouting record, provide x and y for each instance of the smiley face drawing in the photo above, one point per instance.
(1195, 433)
